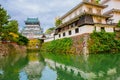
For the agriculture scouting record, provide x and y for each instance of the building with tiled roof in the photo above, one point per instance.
(86, 17)
(32, 28)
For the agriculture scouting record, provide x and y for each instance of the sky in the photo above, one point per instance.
(45, 10)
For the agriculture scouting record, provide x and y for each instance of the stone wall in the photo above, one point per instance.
(79, 43)
(8, 48)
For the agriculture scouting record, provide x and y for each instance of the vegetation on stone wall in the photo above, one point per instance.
(102, 42)
(57, 46)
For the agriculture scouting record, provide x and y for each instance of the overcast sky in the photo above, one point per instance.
(45, 10)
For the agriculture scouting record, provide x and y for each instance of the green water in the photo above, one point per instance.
(36, 66)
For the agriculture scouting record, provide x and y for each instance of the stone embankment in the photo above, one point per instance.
(7, 48)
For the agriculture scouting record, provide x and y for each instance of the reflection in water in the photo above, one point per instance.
(32, 66)
(48, 74)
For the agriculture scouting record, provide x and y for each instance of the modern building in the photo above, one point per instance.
(86, 17)
(32, 28)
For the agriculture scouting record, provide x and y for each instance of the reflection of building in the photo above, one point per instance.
(32, 28)
(86, 17)
(34, 67)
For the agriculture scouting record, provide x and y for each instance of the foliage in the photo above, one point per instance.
(9, 29)
(103, 42)
(97, 1)
(22, 40)
(119, 23)
(50, 30)
(13, 26)
(58, 22)
(3, 17)
(34, 43)
(58, 46)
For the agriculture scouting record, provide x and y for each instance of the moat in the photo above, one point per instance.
(37, 66)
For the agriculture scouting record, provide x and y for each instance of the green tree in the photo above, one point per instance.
(13, 26)
(22, 40)
(119, 23)
(50, 30)
(58, 22)
(3, 18)
(97, 1)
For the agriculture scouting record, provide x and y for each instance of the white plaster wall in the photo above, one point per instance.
(116, 18)
(48, 40)
(32, 25)
(82, 30)
(112, 4)
(109, 29)
(74, 14)
(98, 29)
(103, 21)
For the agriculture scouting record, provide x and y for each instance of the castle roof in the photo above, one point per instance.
(112, 11)
(32, 20)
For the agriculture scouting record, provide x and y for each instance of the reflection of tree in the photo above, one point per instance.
(11, 66)
(34, 67)
(63, 75)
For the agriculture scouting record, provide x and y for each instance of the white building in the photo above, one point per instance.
(113, 9)
(32, 28)
(86, 17)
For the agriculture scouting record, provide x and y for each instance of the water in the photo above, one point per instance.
(34, 66)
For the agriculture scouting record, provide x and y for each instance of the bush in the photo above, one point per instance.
(103, 42)
(57, 46)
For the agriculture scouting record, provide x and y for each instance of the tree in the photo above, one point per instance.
(97, 1)
(50, 30)
(58, 22)
(13, 26)
(22, 40)
(119, 23)
(3, 18)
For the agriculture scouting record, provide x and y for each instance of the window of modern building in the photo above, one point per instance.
(76, 30)
(69, 32)
(59, 35)
(64, 34)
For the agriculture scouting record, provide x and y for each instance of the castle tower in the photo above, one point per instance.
(32, 28)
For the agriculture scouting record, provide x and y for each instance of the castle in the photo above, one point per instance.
(32, 29)
(89, 16)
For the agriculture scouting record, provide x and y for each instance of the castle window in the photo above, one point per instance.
(70, 32)
(64, 34)
(102, 29)
(98, 11)
(59, 35)
(99, 20)
(76, 30)
(89, 9)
